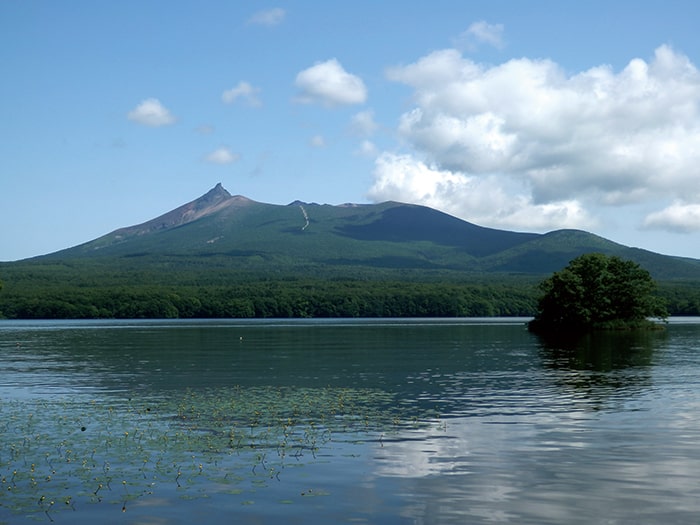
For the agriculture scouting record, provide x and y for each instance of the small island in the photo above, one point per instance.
(598, 292)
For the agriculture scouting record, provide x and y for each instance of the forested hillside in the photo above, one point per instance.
(228, 256)
(62, 291)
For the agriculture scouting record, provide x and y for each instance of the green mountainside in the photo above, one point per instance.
(226, 255)
(248, 234)
(245, 234)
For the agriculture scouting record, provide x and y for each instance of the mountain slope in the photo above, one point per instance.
(230, 231)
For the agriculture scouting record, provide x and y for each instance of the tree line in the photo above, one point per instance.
(270, 299)
(61, 293)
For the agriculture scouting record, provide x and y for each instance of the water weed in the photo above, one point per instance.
(198, 442)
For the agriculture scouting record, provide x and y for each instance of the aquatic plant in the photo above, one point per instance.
(61, 455)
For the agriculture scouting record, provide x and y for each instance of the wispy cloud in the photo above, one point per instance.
(480, 33)
(222, 155)
(327, 83)
(244, 91)
(317, 141)
(268, 17)
(152, 113)
(205, 129)
(363, 123)
(367, 149)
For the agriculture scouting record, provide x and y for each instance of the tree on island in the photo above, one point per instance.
(594, 292)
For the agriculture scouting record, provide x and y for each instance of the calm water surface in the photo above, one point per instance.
(373, 421)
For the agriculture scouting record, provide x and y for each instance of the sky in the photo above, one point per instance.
(527, 116)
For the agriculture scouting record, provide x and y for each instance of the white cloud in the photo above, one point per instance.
(327, 83)
(594, 138)
(222, 155)
(481, 33)
(363, 123)
(245, 91)
(367, 149)
(487, 201)
(678, 217)
(268, 17)
(317, 141)
(152, 113)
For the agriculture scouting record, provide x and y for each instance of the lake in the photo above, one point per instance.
(346, 421)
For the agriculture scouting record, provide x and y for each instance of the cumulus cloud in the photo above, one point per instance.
(678, 217)
(596, 137)
(244, 91)
(483, 200)
(268, 17)
(152, 113)
(481, 33)
(221, 155)
(327, 83)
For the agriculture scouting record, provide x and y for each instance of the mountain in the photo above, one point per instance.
(233, 231)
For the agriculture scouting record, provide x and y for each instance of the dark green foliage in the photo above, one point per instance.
(407, 224)
(100, 290)
(268, 299)
(682, 297)
(208, 287)
(597, 291)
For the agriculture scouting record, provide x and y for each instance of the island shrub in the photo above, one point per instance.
(598, 292)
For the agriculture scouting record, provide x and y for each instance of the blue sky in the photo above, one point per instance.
(528, 116)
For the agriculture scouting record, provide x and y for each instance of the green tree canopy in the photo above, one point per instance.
(597, 291)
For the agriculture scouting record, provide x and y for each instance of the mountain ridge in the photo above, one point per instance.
(224, 255)
(237, 231)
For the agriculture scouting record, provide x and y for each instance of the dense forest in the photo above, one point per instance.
(34, 297)
(267, 299)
